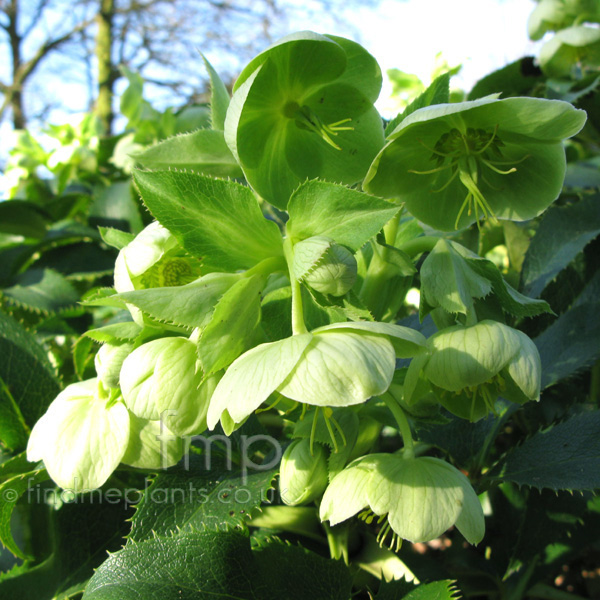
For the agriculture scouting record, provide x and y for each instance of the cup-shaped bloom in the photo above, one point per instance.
(576, 47)
(455, 164)
(108, 362)
(420, 497)
(152, 259)
(163, 380)
(303, 475)
(303, 109)
(469, 367)
(552, 15)
(82, 437)
(341, 364)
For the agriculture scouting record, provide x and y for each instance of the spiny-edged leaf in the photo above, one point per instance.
(79, 261)
(27, 383)
(218, 220)
(10, 492)
(347, 216)
(116, 238)
(349, 306)
(213, 498)
(511, 301)
(515, 79)
(437, 93)
(203, 151)
(83, 356)
(82, 533)
(117, 332)
(571, 342)
(563, 232)
(224, 566)
(563, 457)
(402, 590)
(219, 97)
(21, 218)
(42, 291)
(232, 326)
(16, 465)
(189, 305)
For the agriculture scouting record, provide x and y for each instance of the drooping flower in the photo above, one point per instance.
(576, 47)
(82, 437)
(341, 364)
(455, 164)
(303, 109)
(468, 368)
(552, 15)
(417, 498)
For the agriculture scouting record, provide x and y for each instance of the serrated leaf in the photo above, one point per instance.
(211, 218)
(230, 331)
(571, 342)
(214, 498)
(117, 332)
(115, 237)
(203, 151)
(563, 232)
(347, 216)
(402, 590)
(78, 261)
(219, 97)
(437, 93)
(42, 290)
(10, 492)
(563, 457)
(224, 566)
(23, 219)
(27, 383)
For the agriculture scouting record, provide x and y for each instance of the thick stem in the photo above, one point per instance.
(298, 325)
(106, 77)
(403, 425)
(425, 243)
(267, 266)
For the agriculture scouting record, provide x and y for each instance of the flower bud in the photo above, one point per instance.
(303, 476)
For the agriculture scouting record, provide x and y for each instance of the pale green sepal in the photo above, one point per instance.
(525, 369)
(108, 361)
(575, 46)
(341, 369)
(346, 495)
(407, 342)
(81, 438)
(251, 378)
(151, 445)
(414, 380)
(468, 356)
(163, 379)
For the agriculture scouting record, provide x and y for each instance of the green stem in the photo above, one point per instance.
(298, 325)
(425, 243)
(295, 519)
(267, 266)
(403, 425)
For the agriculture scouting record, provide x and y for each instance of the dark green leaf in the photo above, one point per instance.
(27, 383)
(401, 590)
(21, 218)
(83, 356)
(115, 207)
(516, 79)
(213, 219)
(79, 261)
(563, 457)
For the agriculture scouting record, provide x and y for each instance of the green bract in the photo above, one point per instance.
(303, 475)
(82, 437)
(304, 109)
(454, 164)
(573, 48)
(163, 380)
(152, 259)
(336, 365)
(469, 367)
(421, 497)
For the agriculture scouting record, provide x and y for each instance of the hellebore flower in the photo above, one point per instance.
(469, 367)
(82, 437)
(418, 498)
(152, 259)
(552, 15)
(303, 109)
(575, 47)
(455, 164)
(163, 380)
(303, 475)
(336, 365)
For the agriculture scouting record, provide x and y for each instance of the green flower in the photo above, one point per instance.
(552, 15)
(455, 164)
(82, 437)
(108, 361)
(303, 475)
(336, 365)
(152, 259)
(469, 367)
(577, 47)
(303, 109)
(418, 498)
